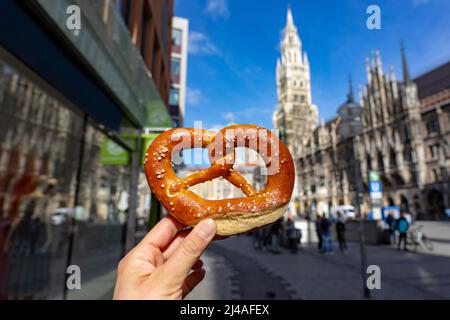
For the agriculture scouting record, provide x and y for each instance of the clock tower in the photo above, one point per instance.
(296, 116)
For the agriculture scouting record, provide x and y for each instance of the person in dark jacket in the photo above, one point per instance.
(340, 231)
(319, 231)
(390, 220)
(275, 231)
(325, 228)
(292, 235)
(402, 226)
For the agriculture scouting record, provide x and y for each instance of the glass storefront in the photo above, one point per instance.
(60, 204)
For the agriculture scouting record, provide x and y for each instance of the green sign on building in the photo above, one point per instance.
(374, 176)
(113, 154)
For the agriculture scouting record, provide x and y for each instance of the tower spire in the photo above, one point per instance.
(350, 96)
(289, 18)
(368, 71)
(378, 61)
(305, 58)
(290, 25)
(406, 75)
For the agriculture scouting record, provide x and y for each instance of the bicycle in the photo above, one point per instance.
(416, 238)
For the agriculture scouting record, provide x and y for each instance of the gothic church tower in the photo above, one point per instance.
(296, 117)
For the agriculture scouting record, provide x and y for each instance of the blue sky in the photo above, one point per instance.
(234, 45)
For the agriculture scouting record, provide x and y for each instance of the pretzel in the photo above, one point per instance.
(235, 215)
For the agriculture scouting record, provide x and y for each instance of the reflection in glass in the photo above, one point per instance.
(40, 172)
(174, 96)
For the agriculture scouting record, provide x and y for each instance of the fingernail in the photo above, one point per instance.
(206, 228)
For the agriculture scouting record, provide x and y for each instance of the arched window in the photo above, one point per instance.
(380, 161)
(407, 154)
(369, 162)
(393, 158)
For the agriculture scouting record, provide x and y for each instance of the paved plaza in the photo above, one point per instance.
(235, 270)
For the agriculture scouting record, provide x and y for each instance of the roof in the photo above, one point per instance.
(433, 81)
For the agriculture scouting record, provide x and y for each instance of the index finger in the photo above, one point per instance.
(190, 249)
(172, 246)
(162, 233)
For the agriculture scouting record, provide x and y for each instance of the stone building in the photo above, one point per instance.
(405, 138)
(434, 95)
(296, 116)
(178, 70)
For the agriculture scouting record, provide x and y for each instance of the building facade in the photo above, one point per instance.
(150, 25)
(434, 95)
(296, 115)
(72, 104)
(405, 139)
(179, 59)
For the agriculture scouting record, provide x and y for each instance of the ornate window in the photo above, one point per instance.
(433, 126)
(393, 158)
(369, 162)
(380, 161)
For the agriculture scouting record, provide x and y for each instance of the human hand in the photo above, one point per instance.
(165, 264)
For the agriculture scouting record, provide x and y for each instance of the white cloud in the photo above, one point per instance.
(193, 96)
(200, 44)
(217, 9)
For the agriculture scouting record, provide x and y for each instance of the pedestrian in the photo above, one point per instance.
(402, 226)
(292, 235)
(325, 229)
(275, 231)
(267, 238)
(319, 232)
(340, 231)
(413, 216)
(390, 220)
(257, 239)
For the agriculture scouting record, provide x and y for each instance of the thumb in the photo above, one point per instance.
(191, 248)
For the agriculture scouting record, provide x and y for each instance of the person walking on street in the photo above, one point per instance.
(319, 232)
(267, 238)
(390, 220)
(292, 235)
(257, 239)
(275, 232)
(340, 231)
(325, 227)
(402, 226)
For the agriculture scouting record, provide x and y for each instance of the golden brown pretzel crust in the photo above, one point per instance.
(235, 215)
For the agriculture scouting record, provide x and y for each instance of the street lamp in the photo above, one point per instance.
(350, 127)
